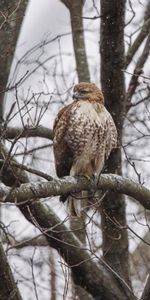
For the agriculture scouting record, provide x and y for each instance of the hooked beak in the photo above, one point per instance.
(76, 95)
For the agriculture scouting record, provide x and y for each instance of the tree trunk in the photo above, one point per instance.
(11, 17)
(115, 239)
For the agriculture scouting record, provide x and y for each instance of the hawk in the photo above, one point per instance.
(84, 135)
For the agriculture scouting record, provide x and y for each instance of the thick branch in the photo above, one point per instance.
(75, 9)
(8, 287)
(69, 184)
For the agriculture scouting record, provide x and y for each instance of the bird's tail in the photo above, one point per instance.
(78, 203)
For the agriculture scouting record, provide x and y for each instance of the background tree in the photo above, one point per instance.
(96, 250)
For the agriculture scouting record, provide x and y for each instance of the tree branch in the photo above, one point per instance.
(40, 131)
(70, 184)
(12, 243)
(137, 72)
(137, 43)
(8, 287)
(75, 9)
(140, 38)
(28, 169)
(146, 292)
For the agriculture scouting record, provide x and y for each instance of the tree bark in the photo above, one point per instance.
(8, 286)
(75, 9)
(115, 239)
(11, 17)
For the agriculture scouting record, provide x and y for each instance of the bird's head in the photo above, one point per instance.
(87, 91)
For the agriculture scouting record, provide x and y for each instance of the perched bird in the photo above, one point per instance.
(84, 135)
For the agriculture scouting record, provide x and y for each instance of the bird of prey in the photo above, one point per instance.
(84, 135)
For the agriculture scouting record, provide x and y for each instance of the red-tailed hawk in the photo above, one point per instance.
(84, 134)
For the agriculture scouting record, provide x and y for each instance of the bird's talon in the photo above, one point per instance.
(87, 177)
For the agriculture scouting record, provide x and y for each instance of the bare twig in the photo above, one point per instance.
(39, 131)
(28, 169)
(138, 41)
(33, 276)
(137, 72)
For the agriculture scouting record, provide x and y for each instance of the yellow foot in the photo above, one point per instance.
(87, 177)
(84, 175)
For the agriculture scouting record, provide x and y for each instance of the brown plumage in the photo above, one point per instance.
(84, 134)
